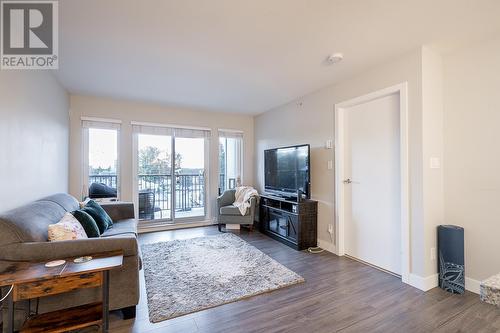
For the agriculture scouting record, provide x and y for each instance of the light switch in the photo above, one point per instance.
(330, 165)
(435, 163)
(329, 144)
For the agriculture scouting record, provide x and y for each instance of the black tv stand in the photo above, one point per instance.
(291, 222)
(279, 197)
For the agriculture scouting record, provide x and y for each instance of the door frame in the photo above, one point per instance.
(340, 109)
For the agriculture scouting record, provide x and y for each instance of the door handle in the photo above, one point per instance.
(348, 181)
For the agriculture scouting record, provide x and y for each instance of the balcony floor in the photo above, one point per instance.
(194, 212)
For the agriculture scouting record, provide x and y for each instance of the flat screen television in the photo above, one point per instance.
(287, 170)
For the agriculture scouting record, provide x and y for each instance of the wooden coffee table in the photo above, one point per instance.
(32, 280)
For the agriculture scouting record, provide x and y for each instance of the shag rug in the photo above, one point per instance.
(184, 276)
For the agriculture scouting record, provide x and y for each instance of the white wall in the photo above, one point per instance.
(313, 122)
(34, 133)
(432, 147)
(472, 153)
(131, 111)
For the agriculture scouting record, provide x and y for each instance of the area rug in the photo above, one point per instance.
(184, 276)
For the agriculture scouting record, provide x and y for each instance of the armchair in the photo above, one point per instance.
(227, 213)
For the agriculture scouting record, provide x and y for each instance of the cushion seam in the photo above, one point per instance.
(13, 229)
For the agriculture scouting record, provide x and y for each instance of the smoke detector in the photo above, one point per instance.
(335, 58)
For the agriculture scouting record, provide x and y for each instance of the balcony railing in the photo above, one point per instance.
(108, 180)
(155, 194)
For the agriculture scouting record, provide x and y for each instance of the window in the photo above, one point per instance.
(101, 166)
(230, 159)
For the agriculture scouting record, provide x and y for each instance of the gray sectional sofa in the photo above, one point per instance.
(23, 237)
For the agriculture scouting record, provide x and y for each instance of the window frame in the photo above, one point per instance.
(99, 123)
(231, 134)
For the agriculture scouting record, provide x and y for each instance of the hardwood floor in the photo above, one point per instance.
(339, 295)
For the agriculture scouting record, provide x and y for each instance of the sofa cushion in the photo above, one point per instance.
(64, 200)
(119, 210)
(230, 210)
(121, 228)
(88, 223)
(29, 223)
(99, 215)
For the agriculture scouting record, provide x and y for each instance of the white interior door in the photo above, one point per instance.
(372, 186)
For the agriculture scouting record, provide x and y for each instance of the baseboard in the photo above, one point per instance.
(431, 281)
(327, 246)
(159, 227)
(423, 283)
(472, 285)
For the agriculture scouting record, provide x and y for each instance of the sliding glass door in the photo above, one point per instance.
(170, 173)
(154, 177)
(190, 177)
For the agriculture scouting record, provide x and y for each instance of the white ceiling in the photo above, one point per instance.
(247, 56)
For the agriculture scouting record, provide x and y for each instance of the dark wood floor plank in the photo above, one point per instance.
(479, 318)
(339, 295)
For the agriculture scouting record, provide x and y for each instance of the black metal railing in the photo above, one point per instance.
(108, 180)
(189, 191)
(155, 193)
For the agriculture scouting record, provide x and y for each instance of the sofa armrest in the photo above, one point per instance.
(227, 198)
(119, 210)
(41, 251)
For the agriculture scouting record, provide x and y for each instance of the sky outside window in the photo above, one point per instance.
(103, 152)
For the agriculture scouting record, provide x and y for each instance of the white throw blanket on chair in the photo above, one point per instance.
(242, 198)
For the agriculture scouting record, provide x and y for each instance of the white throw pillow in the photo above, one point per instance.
(67, 229)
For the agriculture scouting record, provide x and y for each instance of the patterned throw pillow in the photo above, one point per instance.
(67, 229)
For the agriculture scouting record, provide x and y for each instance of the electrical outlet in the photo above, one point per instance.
(433, 253)
(330, 165)
(330, 228)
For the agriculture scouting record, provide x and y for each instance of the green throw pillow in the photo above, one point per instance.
(99, 214)
(87, 222)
